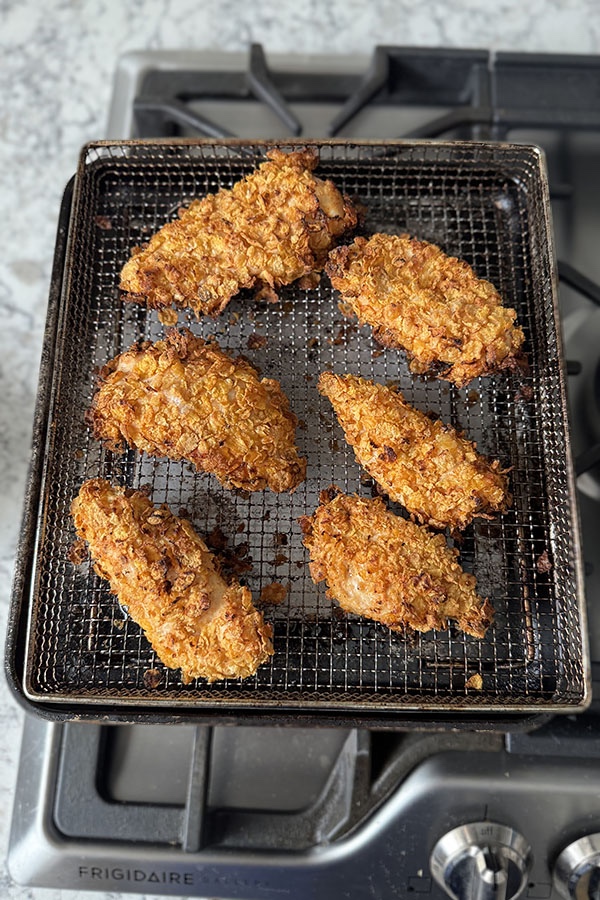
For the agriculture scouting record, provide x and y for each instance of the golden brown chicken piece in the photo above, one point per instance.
(425, 465)
(187, 399)
(168, 580)
(391, 570)
(271, 228)
(450, 323)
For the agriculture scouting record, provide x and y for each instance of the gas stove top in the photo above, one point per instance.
(548, 100)
(256, 812)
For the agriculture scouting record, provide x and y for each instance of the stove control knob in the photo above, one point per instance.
(481, 861)
(577, 869)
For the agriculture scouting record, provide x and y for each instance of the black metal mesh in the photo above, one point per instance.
(484, 203)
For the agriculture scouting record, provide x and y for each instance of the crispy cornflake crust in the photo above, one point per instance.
(389, 569)
(168, 580)
(425, 465)
(186, 398)
(271, 228)
(450, 323)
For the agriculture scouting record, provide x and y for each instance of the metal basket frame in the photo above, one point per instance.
(486, 203)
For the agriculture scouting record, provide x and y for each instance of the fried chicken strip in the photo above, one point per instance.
(168, 580)
(425, 465)
(187, 399)
(270, 229)
(391, 570)
(451, 323)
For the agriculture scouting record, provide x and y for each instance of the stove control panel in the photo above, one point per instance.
(577, 869)
(481, 861)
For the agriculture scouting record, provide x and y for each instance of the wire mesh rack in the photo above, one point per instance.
(485, 203)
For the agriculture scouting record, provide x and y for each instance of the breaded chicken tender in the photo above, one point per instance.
(168, 580)
(271, 228)
(451, 323)
(185, 398)
(425, 465)
(391, 570)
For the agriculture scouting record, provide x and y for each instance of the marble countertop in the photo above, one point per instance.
(58, 62)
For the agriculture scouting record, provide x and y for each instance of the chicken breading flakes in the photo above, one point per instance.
(436, 474)
(451, 323)
(269, 229)
(389, 569)
(185, 398)
(169, 582)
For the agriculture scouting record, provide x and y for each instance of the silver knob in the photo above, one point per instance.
(481, 861)
(577, 869)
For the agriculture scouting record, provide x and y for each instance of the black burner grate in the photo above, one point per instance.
(483, 94)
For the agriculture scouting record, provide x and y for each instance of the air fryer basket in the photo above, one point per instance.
(486, 203)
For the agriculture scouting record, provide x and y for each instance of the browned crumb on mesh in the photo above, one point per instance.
(216, 539)
(543, 563)
(257, 341)
(475, 682)
(524, 394)
(273, 594)
(236, 560)
(78, 552)
(152, 679)
(280, 560)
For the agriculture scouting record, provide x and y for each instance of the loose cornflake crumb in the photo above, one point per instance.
(78, 552)
(274, 593)
(168, 317)
(152, 678)
(256, 341)
(543, 564)
(103, 222)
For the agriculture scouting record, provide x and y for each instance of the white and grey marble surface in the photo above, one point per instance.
(58, 60)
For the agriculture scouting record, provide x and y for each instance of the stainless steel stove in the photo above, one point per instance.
(509, 809)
